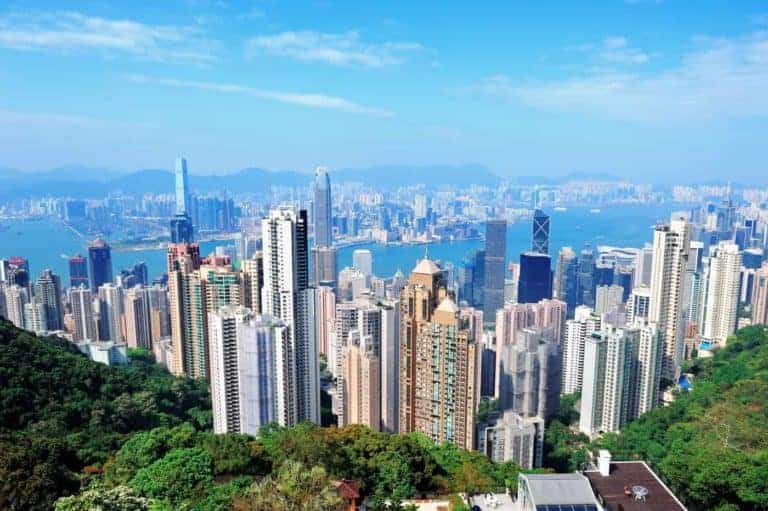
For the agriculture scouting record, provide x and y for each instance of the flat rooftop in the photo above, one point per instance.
(610, 489)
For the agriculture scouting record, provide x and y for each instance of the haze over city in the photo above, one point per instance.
(635, 88)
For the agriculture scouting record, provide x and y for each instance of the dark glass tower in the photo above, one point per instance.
(585, 293)
(321, 208)
(99, 263)
(181, 229)
(535, 278)
(48, 291)
(495, 257)
(78, 271)
(540, 234)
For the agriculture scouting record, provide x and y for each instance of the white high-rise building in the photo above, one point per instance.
(111, 310)
(82, 314)
(671, 244)
(35, 319)
(252, 378)
(286, 295)
(362, 260)
(608, 298)
(390, 367)
(721, 299)
(15, 299)
(638, 305)
(622, 367)
(577, 331)
(138, 317)
(643, 265)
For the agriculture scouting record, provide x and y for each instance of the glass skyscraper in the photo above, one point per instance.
(321, 207)
(540, 235)
(181, 224)
(99, 263)
(78, 271)
(535, 282)
(495, 260)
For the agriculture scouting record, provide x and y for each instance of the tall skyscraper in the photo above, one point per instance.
(390, 367)
(585, 278)
(252, 378)
(362, 382)
(608, 298)
(182, 187)
(671, 243)
(540, 233)
(48, 291)
(321, 208)
(16, 297)
(324, 266)
(721, 299)
(78, 271)
(565, 287)
(182, 230)
(34, 316)
(436, 398)
(99, 264)
(80, 299)
(577, 331)
(535, 278)
(252, 270)
(186, 301)
(286, 295)
(638, 305)
(495, 264)
(643, 263)
(111, 312)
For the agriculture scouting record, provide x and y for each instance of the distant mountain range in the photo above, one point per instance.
(85, 182)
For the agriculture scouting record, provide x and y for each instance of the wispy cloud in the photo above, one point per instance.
(614, 50)
(719, 78)
(73, 31)
(312, 100)
(345, 49)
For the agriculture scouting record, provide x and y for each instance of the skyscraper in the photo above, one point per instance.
(34, 316)
(138, 317)
(585, 278)
(671, 243)
(535, 278)
(577, 331)
(252, 378)
(78, 271)
(111, 312)
(321, 208)
(185, 303)
(48, 292)
(82, 314)
(181, 229)
(286, 295)
(721, 297)
(182, 187)
(495, 257)
(540, 233)
(362, 382)
(362, 259)
(324, 266)
(99, 263)
(565, 287)
(253, 281)
(16, 297)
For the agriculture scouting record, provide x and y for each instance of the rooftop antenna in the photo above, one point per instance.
(426, 251)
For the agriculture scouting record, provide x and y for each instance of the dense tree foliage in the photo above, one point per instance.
(711, 444)
(62, 416)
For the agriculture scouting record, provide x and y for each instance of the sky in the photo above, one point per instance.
(650, 90)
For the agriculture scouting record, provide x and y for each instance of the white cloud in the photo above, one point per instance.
(618, 51)
(337, 49)
(313, 100)
(720, 78)
(73, 31)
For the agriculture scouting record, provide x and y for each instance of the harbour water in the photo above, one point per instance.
(48, 244)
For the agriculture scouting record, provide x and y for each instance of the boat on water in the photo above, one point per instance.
(560, 208)
(594, 210)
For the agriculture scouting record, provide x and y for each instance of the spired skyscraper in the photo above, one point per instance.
(181, 224)
(495, 257)
(323, 253)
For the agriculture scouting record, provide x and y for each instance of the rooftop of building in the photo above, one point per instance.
(426, 267)
(619, 489)
(448, 305)
(560, 490)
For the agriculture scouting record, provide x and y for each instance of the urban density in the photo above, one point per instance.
(383, 256)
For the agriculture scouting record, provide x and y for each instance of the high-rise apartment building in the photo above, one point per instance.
(585, 278)
(99, 264)
(565, 286)
(671, 243)
(362, 381)
(286, 295)
(84, 325)
(638, 305)
(48, 292)
(760, 296)
(138, 317)
(494, 267)
(111, 313)
(577, 331)
(608, 298)
(390, 366)
(622, 370)
(362, 260)
(252, 378)
(186, 303)
(16, 297)
(35, 316)
(721, 298)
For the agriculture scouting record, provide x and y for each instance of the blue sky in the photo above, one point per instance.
(647, 89)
